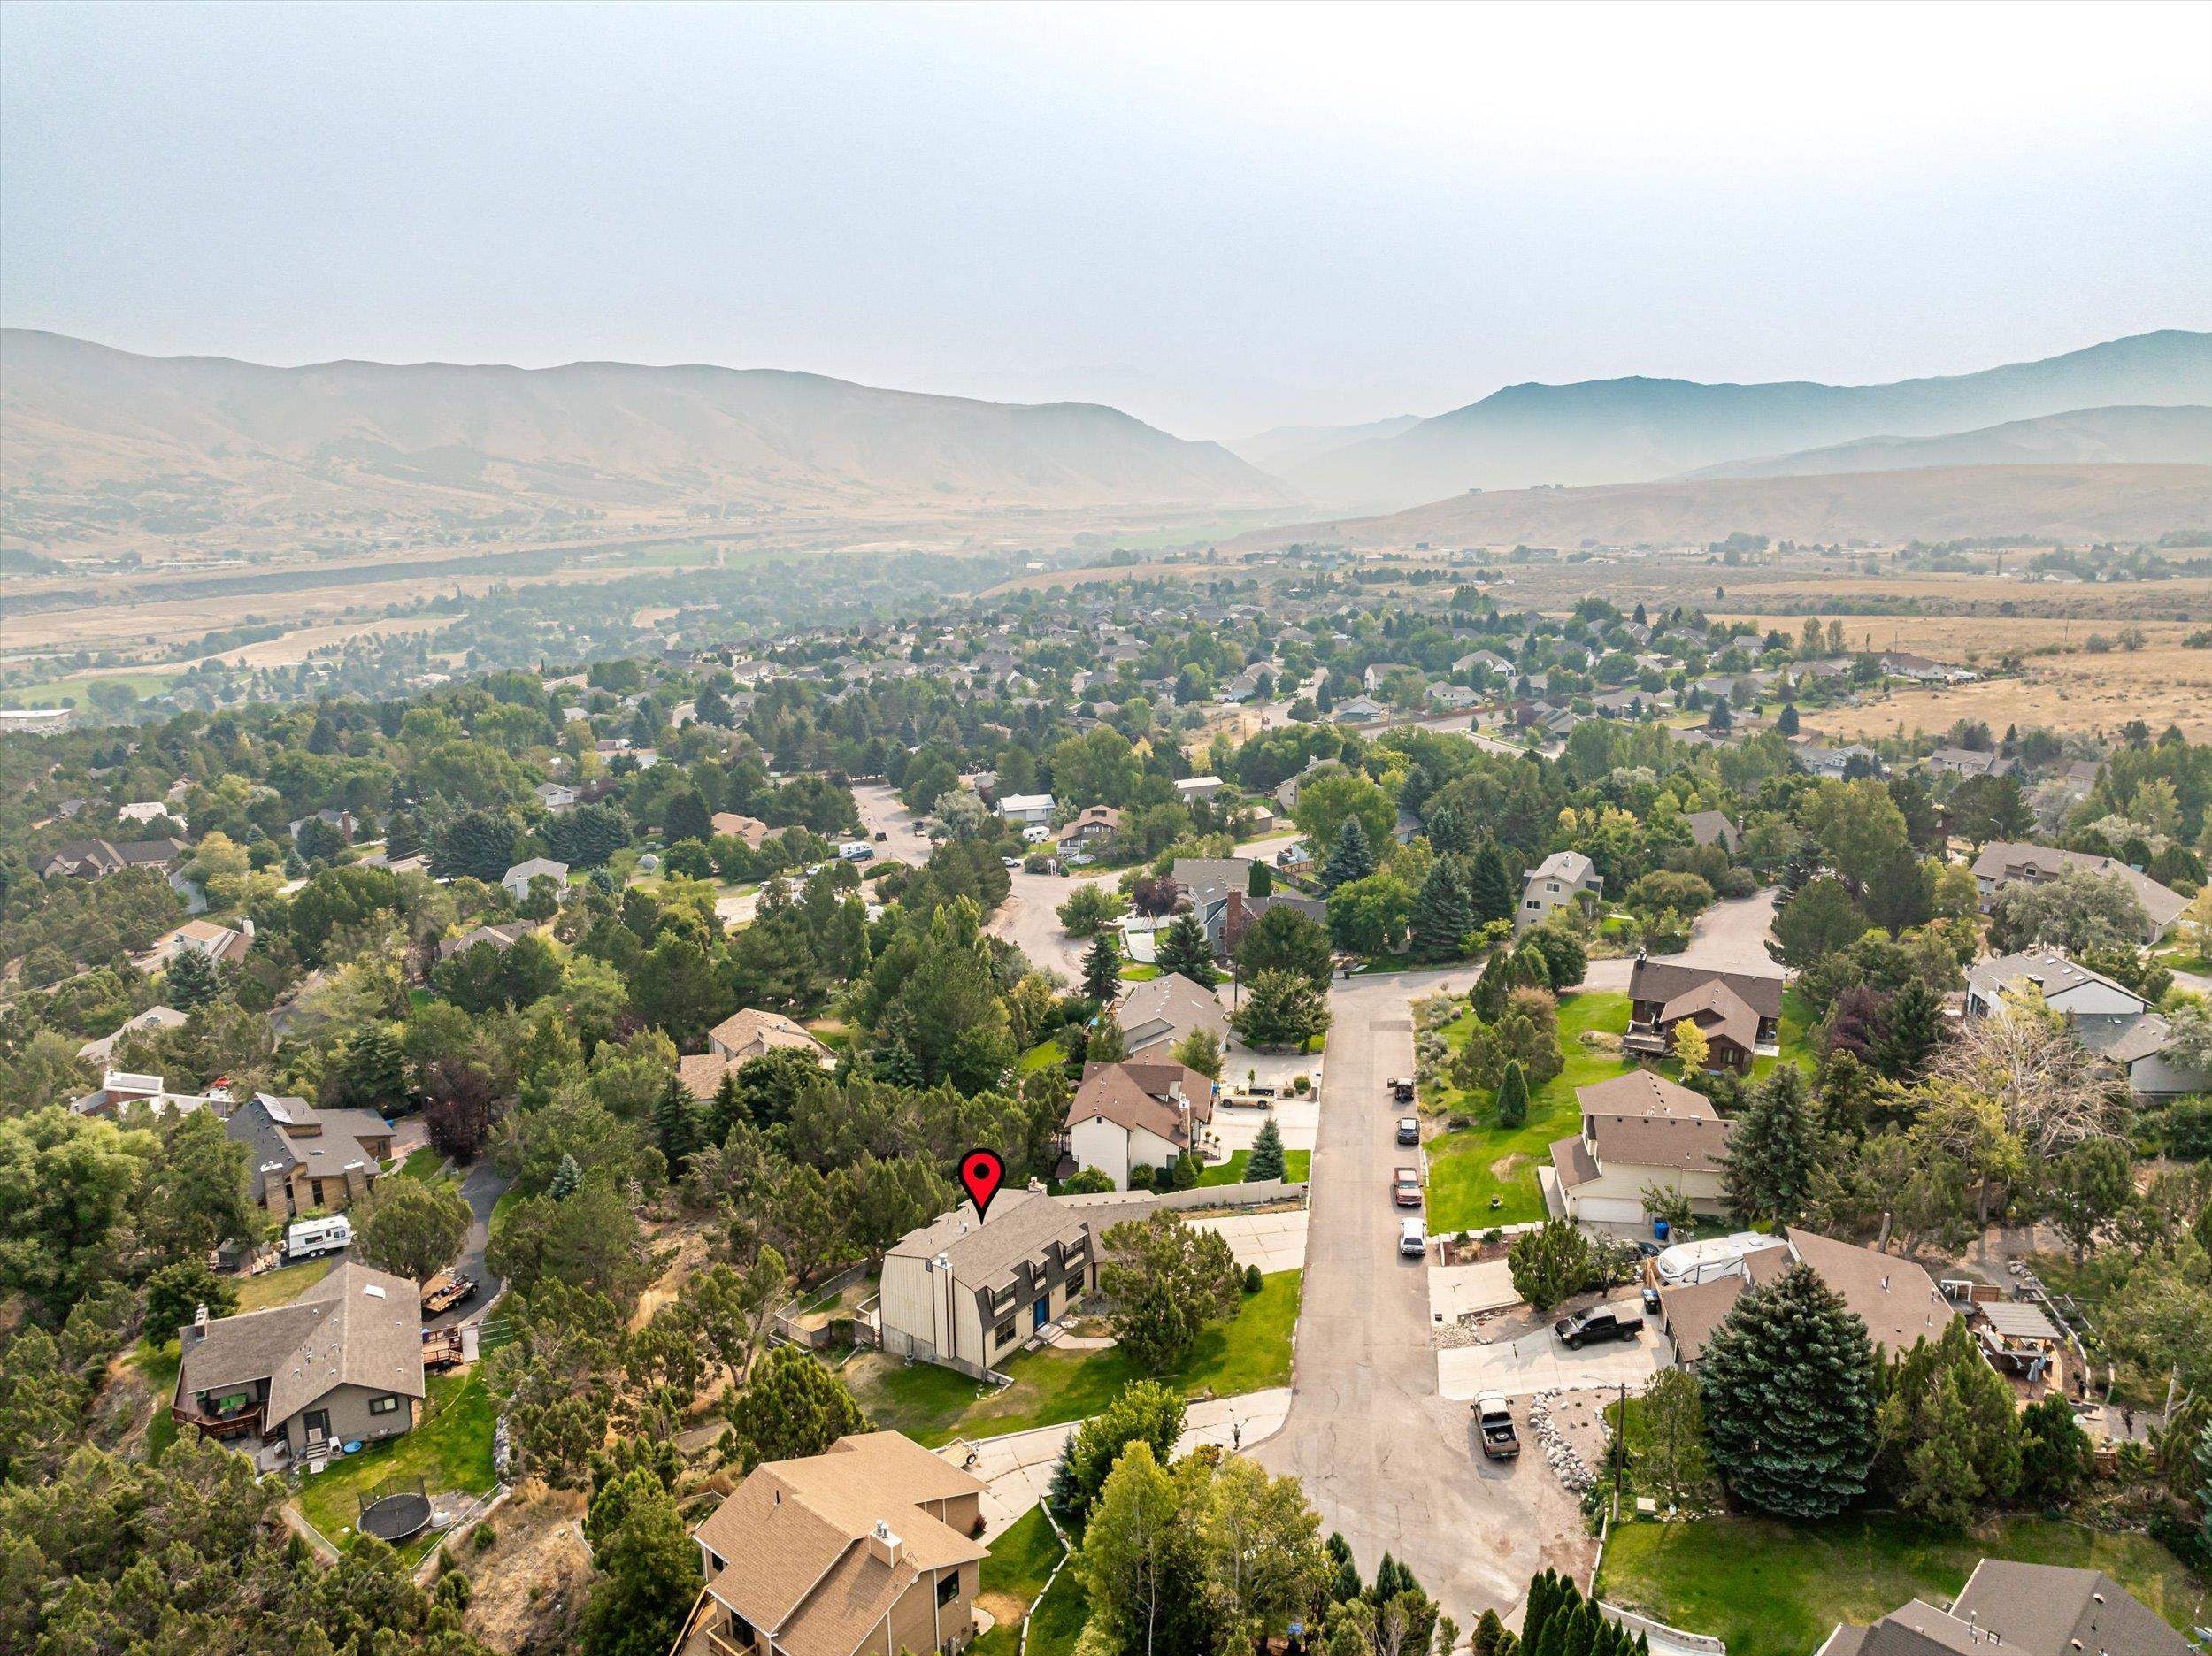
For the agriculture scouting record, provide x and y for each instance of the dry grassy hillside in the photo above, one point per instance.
(2068, 502)
(95, 435)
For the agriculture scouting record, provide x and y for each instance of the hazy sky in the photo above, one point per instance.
(1218, 218)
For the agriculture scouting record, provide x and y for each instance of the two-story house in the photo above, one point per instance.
(966, 1294)
(868, 1549)
(1739, 1012)
(1557, 882)
(1640, 1130)
(300, 1159)
(2002, 862)
(1128, 1116)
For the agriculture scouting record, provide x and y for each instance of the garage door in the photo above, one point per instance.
(1610, 1209)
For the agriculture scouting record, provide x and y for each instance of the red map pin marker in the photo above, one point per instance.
(982, 1172)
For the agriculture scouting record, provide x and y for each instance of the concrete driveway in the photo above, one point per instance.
(1539, 1362)
(1734, 934)
(1388, 1461)
(883, 812)
(1458, 1291)
(1018, 1468)
(1236, 1126)
(1272, 1241)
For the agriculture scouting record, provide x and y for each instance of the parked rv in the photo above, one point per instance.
(306, 1239)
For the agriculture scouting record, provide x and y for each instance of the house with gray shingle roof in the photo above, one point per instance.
(341, 1364)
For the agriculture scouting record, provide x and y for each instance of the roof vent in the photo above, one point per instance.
(373, 1291)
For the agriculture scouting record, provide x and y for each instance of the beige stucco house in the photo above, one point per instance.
(1138, 1115)
(1640, 1130)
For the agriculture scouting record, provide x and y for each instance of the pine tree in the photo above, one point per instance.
(1912, 1031)
(1446, 831)
(672, 1124)
(1352, 858)
(192, 980)
(1490, 885)
(1266, 1160)
(1767, 1170)
(1185, 951)
(1102, 970)
(1787, 723)
(369, 1072)
(1442, 914)
(1788, 1378)
(1106, 1043)
(567, 1178)
(1512, 1095)
(1259, 880)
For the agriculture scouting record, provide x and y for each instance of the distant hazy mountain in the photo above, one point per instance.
(1288, 449)
(80, 419)
(1618, 430)
(2108, 436)
(2068, 502)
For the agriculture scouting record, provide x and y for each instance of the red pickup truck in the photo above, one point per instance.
(1405, 1187)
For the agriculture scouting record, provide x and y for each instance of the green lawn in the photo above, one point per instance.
(1468, 1167)
(933, 1405)
(1044, 1055)
(422, 1164)
(1020, 1563)
(452, 1451)
(1138, 971)
(1297, 1165)
(1771, 1588)
(283, 1284)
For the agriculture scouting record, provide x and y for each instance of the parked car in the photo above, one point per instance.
(881, 836)
(1401, 1089)
(1010, 862)
(1604, 1323)
(1409, 1130)
(1413, 1238)
(1405, 1186)
(1493, 1418)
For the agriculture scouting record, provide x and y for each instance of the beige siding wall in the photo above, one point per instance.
(1627, 1183)
(351, 1420)
(905, 1309)
(919, 1623)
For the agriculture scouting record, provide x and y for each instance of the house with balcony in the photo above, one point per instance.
(1739, 1012)
(967, 1294)
(2002, 862)
(340, 1365)
(868, 1547)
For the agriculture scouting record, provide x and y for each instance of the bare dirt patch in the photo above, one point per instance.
(528, 1586)
(1505, 1166)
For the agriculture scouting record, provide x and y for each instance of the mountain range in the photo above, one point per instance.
(1637, 429)
(83, 419)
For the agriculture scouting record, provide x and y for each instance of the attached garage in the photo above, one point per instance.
(1607, 1210)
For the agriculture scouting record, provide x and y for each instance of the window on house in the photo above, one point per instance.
(947, 1587)
(383, 1405)
(1003, 1334)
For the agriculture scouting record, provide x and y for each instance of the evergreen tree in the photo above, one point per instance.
(568, 1178)
(1259, 881)
(1352, 858)
(191, 981)
(1788, 1378)
(1106, 1043)
(1912, 1029)
(1266, 1160)
(1773, 1149)
(1442, 913)
(1102, 970)
(672, 1124)
(1446, 831)
(478, 844)
(1490, 893)
(1787, 723)
(1512, 1095)
(368, 1072)
(2054, 1453)
(1184, 950)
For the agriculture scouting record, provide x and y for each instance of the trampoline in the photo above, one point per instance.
(395, 1512)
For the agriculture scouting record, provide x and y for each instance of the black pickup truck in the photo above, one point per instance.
(1591, 1326)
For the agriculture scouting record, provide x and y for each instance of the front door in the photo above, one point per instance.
(1040, 1313)
(316, 1424)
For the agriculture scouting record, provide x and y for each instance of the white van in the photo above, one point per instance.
(305, 1238)
(1714, 1257)
(1413, 1238)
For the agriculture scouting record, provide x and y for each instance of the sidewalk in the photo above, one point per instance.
(1019, 1466)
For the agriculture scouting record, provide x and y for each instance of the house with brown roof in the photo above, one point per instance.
(753, 1034)
(868, 1548)
(1159, 1014)
(751, 829)
(1638, 1130)
(1740, 1012)
(2004, 862)
(300, 1159)
(1898, 1301)
(966, 1293)
(226, 945)
(1094, 826)
(1126, 1116)
(97, 859)
(2013, 1609)
(341, 1364)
